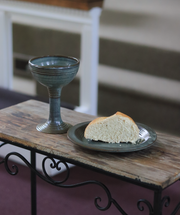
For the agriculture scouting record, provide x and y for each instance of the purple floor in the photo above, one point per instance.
(51, 200)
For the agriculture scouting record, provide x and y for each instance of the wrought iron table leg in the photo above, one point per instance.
(156, 209)
(33, 183)
(157, 203)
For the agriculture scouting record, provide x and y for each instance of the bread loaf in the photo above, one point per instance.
(114, 129)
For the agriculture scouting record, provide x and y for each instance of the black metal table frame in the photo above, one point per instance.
(158, 202)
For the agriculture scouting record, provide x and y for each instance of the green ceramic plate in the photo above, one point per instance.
(147, 138)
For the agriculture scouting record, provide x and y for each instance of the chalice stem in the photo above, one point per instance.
(54, 105)
(54, 113)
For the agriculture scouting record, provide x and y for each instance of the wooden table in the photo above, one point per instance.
(154, 168)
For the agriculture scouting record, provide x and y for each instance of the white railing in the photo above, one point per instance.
(44, 15)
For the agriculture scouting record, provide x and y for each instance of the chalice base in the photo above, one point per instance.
(50, 127)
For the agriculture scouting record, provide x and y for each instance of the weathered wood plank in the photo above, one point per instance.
(76, 4)
(158, 165)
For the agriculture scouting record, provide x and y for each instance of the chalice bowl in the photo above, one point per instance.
(54, 72)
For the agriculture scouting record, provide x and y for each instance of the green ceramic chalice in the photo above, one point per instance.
(54, 72)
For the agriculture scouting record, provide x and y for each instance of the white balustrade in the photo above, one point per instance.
(44, 15)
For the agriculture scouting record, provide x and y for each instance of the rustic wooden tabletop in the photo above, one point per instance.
(158, 165)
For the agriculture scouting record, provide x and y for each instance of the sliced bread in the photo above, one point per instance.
(113, 129)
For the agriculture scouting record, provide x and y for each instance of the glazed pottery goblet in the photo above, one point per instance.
(54, 72)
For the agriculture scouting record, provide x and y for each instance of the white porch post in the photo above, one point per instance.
(6, 59)
(89, 65)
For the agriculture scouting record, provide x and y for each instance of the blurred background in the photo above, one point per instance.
(139, 60)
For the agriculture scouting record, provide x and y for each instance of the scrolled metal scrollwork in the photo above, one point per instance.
(118, 207)
(55, 165)
(165, 201)
(176, 209)
(2, 144)
(14, 167)
(141, 208)
(48, 179)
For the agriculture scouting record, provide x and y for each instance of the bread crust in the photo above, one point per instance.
(99, 119)
(124, 115)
